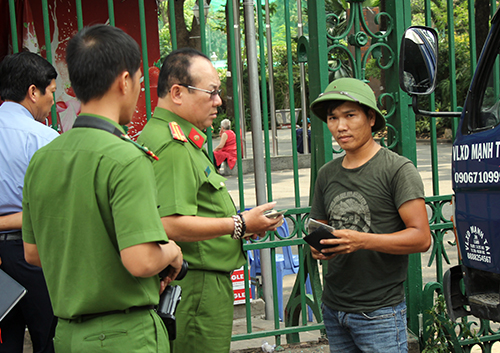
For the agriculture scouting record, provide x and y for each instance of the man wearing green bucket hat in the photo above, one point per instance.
(374, 199)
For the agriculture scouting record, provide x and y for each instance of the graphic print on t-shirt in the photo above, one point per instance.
(349, 210)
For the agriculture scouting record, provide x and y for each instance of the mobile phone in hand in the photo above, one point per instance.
(274, 213)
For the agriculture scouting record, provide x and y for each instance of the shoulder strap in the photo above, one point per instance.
(176, 132)
(96, 123)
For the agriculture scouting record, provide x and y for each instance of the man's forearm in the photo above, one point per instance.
(194, 228)
(415, 238)
(148, 259)
(31, 254)
(12, 221)
(407, 241)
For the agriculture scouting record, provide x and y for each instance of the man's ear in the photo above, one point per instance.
(176, 94)
(33, 93)
(372, 117)
(124, 82)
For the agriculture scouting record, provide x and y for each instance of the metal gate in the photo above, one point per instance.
(332, 41)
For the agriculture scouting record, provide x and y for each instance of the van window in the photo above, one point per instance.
(489, 115)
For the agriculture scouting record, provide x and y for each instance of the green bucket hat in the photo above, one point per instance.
(348, 89)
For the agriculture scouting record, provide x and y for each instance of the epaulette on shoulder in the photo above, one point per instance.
(176, 131)
(142, 148)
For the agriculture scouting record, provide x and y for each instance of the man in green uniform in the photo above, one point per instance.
(90, 216)
(196, 208)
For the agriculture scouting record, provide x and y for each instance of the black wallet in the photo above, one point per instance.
(319, 233)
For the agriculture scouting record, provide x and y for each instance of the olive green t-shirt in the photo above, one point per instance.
(189, 185)
(366, 199)
(88, 195)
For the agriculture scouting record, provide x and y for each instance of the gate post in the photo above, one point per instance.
(403, 119)
(403, 122)
(317, 54)
(313, 50)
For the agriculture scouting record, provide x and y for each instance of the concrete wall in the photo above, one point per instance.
(277, 163)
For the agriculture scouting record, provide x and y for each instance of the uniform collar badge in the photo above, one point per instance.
(196, 138)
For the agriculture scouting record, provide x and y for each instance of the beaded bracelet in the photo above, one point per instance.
(238, 227)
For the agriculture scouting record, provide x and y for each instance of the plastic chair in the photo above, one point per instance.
(290, 262)
(286, 264)
(290, 267)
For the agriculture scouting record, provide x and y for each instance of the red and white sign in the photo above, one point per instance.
(238, 279)
(63, 26)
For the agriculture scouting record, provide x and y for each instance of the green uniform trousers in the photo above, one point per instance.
(138, 331)
(204, 316)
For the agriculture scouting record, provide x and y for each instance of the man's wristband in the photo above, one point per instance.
(243, 225)
(238, 227)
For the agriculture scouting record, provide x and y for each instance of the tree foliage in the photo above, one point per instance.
(441, 330)
(461, 56)
(216, 30)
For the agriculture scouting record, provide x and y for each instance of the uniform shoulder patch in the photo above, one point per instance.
(142, 148)
(176, 132)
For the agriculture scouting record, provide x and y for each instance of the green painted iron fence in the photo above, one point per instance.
(330, 42)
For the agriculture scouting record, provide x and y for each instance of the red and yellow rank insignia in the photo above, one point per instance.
(197, 139)
(176, 131)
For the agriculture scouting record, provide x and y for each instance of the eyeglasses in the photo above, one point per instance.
(213, 94)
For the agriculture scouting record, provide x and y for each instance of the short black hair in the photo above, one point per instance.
(21, 70)
(175, 69)
(96, 56)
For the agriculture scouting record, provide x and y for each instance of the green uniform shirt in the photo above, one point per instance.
(87, 195)
(189, 185)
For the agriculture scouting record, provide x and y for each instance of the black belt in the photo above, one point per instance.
(11, 236)
(87, 317)
(225, 273)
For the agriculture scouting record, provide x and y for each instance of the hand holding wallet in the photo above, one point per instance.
(317, 232)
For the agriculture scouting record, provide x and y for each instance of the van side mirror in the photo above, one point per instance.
(418, 60)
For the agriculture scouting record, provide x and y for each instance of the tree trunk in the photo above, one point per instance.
(482, 18)
(163, 10)
(185, 38)
(229, 80)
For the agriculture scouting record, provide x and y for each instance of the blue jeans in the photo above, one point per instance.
(382, 330)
